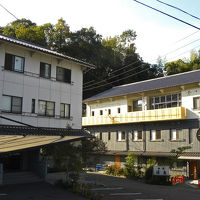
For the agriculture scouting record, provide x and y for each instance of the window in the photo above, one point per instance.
(175, 134)
(155, 135)
(109, 135)
(196, 103)
(167, 101)
(64, 110)
(14, 63)
(137, 105)
(12, 104)
(33, 106)
(92, 113)
(137, 135)
(129, 108)
(109, 111)
(63, 74)
(45, 70)
(46, 108)
(118, 110)
(101, 112)
(190, 136)
(100, 136)
(121, 136)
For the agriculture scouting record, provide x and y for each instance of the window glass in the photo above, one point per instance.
(64, 110)
(16, 104)
(123, 135)
(166, 101)
(41, 107)
(158, 134)
(137, 105)
(109, 135)
(50, 108)
(153, 135)
(45, 70)
(139, 135)
(6, 103)
(196, 103)
(12, 104)
(67, 110)
(19, 64)
(173, 134)
(63, 74)
(33, 106)
(14, 63)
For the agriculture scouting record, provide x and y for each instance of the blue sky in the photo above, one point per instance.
(157, 34)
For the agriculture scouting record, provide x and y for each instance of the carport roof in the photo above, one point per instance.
(15, 138)
(10, 143)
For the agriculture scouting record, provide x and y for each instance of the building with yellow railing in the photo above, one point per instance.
(148, 118)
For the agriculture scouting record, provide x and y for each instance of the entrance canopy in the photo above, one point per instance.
(15, 138)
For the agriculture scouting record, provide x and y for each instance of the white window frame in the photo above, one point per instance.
(120, 135)
(136, 134)
(175, 134)
(153, 135)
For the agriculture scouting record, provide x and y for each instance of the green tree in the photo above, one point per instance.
(26, 30)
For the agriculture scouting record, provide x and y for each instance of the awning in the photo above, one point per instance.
(9, 143)
(15, 138)
(188, 158)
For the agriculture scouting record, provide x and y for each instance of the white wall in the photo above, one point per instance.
(113, 105)
(187, 102)
(31, 86)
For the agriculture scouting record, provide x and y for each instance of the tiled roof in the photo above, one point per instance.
(148, 85)
(42, 49)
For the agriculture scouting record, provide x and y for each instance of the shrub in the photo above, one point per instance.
(148, 173)
(110, 170)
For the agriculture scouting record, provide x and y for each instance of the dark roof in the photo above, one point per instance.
(42, 49)
(148, 85)
(24, 130)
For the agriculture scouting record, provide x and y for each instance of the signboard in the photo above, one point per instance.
(161, 170)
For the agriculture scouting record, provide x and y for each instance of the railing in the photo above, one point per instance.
(139, 116)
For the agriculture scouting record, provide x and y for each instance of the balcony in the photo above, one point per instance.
(175, 113)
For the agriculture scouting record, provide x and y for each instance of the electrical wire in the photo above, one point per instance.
(178, 9)
(116, 71)
(8, 11)
(111, 83)
(113, 77)
(167, 14)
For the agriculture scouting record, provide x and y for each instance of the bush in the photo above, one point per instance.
(130, 172)
(110, 170)
(148, 173)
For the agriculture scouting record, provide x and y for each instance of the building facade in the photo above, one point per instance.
(40, 94)
(149, 118)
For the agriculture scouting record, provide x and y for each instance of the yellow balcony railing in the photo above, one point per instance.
(139, 116)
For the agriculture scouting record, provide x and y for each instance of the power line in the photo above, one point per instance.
(111, 83)
(8, 11)
(113, 76)
(167, 15)
(180, 47)
(178, 9)
(116, 71)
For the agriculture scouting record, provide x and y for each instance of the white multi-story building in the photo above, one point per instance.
(40, 94)
(149, 118)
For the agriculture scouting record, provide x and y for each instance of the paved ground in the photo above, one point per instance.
(115, 188)
(36, 191)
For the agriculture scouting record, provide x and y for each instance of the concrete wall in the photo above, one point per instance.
(30, 86)
(187, 136)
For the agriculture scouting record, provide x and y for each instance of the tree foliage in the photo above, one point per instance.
(115, 57)
(180, 65)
